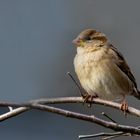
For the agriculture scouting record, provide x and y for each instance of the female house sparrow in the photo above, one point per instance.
(101, 68)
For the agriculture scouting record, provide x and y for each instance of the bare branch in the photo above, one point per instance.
(76, 83)
(115, 136)
(12, 113)
(107, 135)
(100, 134)
(41, 104)
(93, 119)
(10, 108)
(62, 100)
(115, 105)
(108, 117)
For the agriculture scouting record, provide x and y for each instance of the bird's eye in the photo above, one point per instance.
(87, 38)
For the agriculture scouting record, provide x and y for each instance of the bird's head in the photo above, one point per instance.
(90, 37)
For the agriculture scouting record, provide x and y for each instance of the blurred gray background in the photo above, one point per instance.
(36, 51)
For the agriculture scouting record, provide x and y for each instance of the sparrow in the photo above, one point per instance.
(101, 68)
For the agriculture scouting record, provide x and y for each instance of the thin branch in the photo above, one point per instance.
(115, 136)
(64, 100)
(100, 135)
(112, 137)
(89, 118)
(12, 113)
(108, 117)
(131, 110)
(76, 83)
(107, 135)
(10, 108)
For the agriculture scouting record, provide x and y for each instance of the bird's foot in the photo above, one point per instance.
(89, 98)
(124, 107)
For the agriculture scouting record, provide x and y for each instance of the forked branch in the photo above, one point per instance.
(44, 105)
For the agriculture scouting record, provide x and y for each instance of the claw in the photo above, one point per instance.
(124, 108)
(89, 98)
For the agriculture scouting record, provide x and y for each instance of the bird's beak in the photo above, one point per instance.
(77, 42)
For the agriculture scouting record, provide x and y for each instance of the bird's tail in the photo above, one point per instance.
(137, 94)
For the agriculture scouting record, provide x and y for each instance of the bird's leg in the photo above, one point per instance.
(124, 106)
(89, 98)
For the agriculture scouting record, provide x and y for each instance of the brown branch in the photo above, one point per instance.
(89, 118)
(131, 110)
(41, 105)
(13, 113)
(64, 100)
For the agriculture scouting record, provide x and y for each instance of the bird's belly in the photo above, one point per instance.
(102, 84)
(104, 79)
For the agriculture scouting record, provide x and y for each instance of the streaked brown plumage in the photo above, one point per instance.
(101, 68)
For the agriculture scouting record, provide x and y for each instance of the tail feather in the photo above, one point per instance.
(137, 94)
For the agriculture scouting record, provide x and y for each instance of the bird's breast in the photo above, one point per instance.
(100, 75)
(85, 62)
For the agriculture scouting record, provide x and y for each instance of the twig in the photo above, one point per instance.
(123, 134)
(100, 134)
(78, 86)
(13, 113)
(111, 137)
(10, 108)
(107, 116)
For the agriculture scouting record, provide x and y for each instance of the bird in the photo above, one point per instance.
(102, 70)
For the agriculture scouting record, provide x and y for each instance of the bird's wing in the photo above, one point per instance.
(122, 64)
